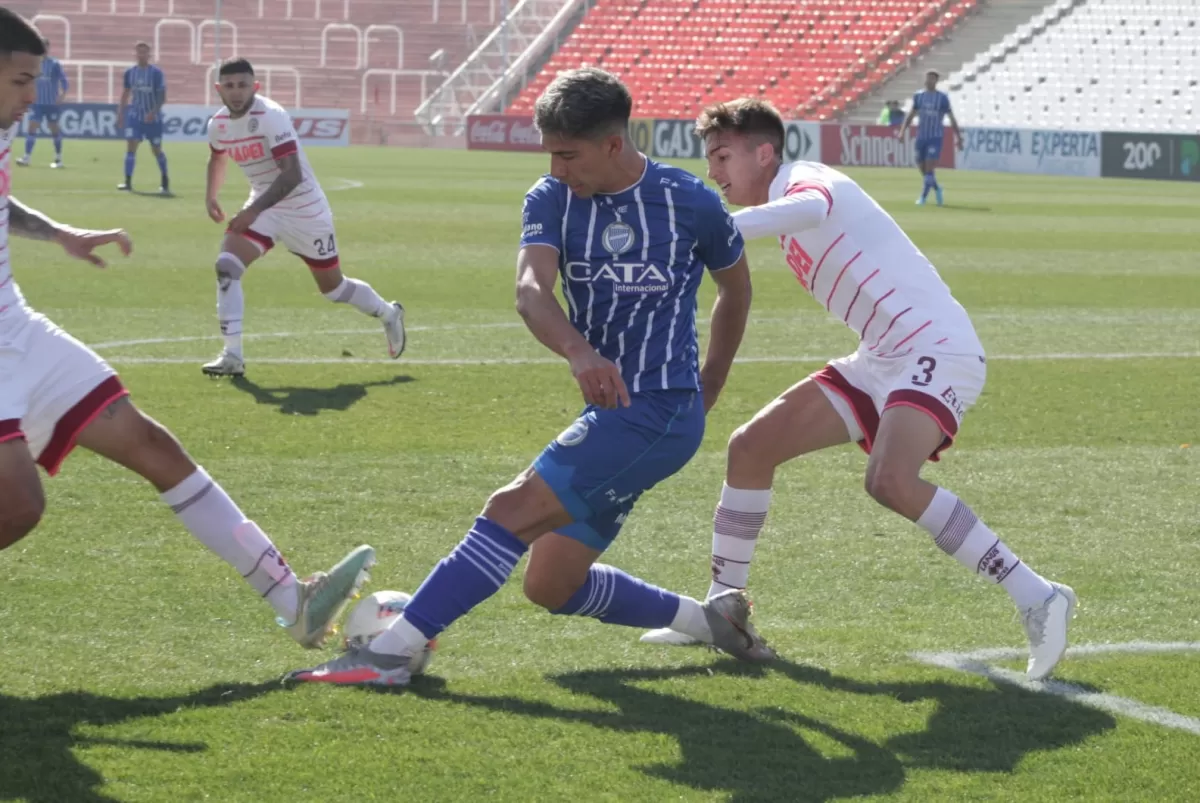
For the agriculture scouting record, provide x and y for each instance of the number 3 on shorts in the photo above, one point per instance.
(326, 247)
(925, 376)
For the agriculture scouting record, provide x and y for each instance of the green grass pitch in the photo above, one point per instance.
(136, 667)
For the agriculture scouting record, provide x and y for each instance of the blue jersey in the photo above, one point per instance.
(631, 263)
(51, 83)
(932, 108)
(147, 88)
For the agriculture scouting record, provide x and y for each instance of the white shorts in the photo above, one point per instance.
(308, 236)
(862, 386)
(51, 387)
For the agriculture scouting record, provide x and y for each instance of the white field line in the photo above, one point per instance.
(976, 663)
(344, 184)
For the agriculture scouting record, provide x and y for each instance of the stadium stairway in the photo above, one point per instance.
(990, 22)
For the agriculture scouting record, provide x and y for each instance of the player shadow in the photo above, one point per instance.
(166, 196)
(311, 401)
(38, 739)
(761, 755)
(967, 208)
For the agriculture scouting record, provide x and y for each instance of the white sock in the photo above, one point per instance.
(215, 520)
(401, 638)
(736, 525)
(958, 532)
(231, 307)
(361, 296)
(690, 620)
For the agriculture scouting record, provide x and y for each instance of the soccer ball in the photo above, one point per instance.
(372, 615)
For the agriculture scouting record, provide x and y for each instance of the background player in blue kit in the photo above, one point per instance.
(141, 113)
(52, 86)
(631, 239)
(930, 107)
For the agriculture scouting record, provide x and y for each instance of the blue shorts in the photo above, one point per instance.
(929, 149)
(136, 128)
(44, 111)
(606, 459)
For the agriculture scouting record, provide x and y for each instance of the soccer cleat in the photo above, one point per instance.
(325, 594)
(938, 191)
(358, 666)
(393, 327)
(56, 164)
(1046, 626)
(921, 201)
(728, 615)
(665, 635)
(226, 364)
(23, 161)
(127, 186)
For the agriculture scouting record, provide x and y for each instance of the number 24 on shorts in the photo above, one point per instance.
(325, 247)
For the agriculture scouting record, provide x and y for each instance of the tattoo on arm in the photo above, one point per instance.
(289, 178)
(30, 223)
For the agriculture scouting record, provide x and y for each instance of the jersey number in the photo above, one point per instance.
(800, 262)
(927, 365)
(325, 247)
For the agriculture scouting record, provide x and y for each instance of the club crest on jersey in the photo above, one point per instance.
(617, 238)
(253, 124)
(574, 434)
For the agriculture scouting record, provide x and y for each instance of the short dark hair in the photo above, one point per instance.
(584, 104)
(142, 44)
(934, 73)
(752, 117)
(17, 35)
(236, 66)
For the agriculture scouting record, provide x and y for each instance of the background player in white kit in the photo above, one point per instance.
(901, 396)
(286, 204)
(56, 393)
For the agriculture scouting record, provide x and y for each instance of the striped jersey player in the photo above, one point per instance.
(901, 395)
(286, 205)
(56, 394)
(52, 86)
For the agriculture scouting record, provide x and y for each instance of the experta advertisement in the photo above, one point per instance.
(1174, 157)
(184, 123)
(502, 132)
(876, 146)
(1024, 150)
(82, 121)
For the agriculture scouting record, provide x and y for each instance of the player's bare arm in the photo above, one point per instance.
(79, 243)
(218, 161)
(122, 107)
(290, 176)
(157, 113)
(907, 121)
(537, 274)
(729, 315)
(958, 137)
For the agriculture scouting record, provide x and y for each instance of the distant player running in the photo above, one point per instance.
(52, 86)
(930, 107)
(631, 239)
(56, 393)
(901, 396)
(140, 111)
(286, 204)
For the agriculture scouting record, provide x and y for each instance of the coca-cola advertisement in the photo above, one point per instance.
(877, 146)
(502, 132)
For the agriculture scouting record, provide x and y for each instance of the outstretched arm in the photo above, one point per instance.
(79, 243)
(30, 223)
(729, 315)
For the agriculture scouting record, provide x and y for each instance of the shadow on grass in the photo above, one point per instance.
(311, 401)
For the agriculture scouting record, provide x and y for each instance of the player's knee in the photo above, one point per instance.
(890, 486)
(229, 268)
(20, 512)
(548, 589)
(746, 445)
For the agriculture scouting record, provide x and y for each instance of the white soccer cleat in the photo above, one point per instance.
(226, 364)
(665, 635)
(23, 161)
(1046, 626)
(56, 164)
(393, 327)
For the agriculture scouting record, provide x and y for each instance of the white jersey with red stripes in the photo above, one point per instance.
(255, 140)
(12, 303)
(867, 273)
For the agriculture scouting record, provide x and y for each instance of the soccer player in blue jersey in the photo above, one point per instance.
(631, 240)
(52, 86)
(140, 112)
(930, 107)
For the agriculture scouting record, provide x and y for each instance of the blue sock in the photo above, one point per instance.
(474, 571)
(616, 598)
(933, 180)
(130, 160)
(58, 145)
(162, 164)
(928, 184)
(30, 141)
